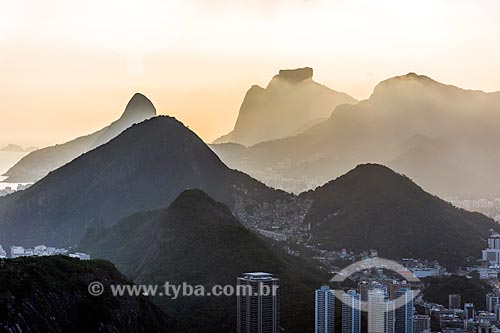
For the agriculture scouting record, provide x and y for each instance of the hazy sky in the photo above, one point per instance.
(69, 67)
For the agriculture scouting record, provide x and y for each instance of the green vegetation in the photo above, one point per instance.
(144, 168)
(372, 207)
(198, 241)
(51, 273)
(50, 294)
(472, 290)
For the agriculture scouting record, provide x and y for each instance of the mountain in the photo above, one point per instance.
(372, 207)
(17, 149)
(39, 163)
(143, 168)
(13, 148)
(50, 294)
(290, 104)
(401, 109)
(472, 290)
(198, 241)
(138, 109)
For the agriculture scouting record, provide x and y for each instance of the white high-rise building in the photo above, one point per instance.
(3, 254)
(324, 312)
(405, 311)
(492, 253)
(381, 312)
(494, 241)
(351, 312)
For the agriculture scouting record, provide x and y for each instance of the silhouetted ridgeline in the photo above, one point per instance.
(372, 207)
(443, 137)
(50, 294)
(198, 240)
(144, 168)
(290, 104)
(39, 163)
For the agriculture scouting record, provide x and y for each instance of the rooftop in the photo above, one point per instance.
(258, 275)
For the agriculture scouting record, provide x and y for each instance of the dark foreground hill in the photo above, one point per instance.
(50, 294)
(372, 207)
(144, 168)
(197, 240)
(39, 163)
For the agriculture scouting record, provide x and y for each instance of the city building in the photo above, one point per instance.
(454, 301)
(469, 325)
(424, 272)
(490, 208)
(42, 250)
(494, 241)
(423, 268)
(381, 312)
(39, 250)
(394, 286)
(497, 311)
(484, 325)
(492, 253)
(16, 251)
(324, 318)
(421, 324)
(3, 254)
(9, 190)
(491, 317)
(351, 312)
(491, 302)
(258, 303)
(80, 255)
(469, 311)
(363, 288)
(404, 311)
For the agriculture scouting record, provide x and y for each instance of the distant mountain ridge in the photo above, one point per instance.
(457, 157)
(39, 163)
(290, 104)
(372, 207)
(143, 168)
(149, 165)
(17, 149)
(197, 240)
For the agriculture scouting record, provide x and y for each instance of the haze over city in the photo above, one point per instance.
(67, 67)
(255, 166)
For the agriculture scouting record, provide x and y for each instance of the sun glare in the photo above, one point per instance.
(131, 28)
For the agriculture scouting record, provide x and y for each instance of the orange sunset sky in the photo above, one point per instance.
(68, 68)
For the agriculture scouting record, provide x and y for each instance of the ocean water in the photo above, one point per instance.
(7, 160)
